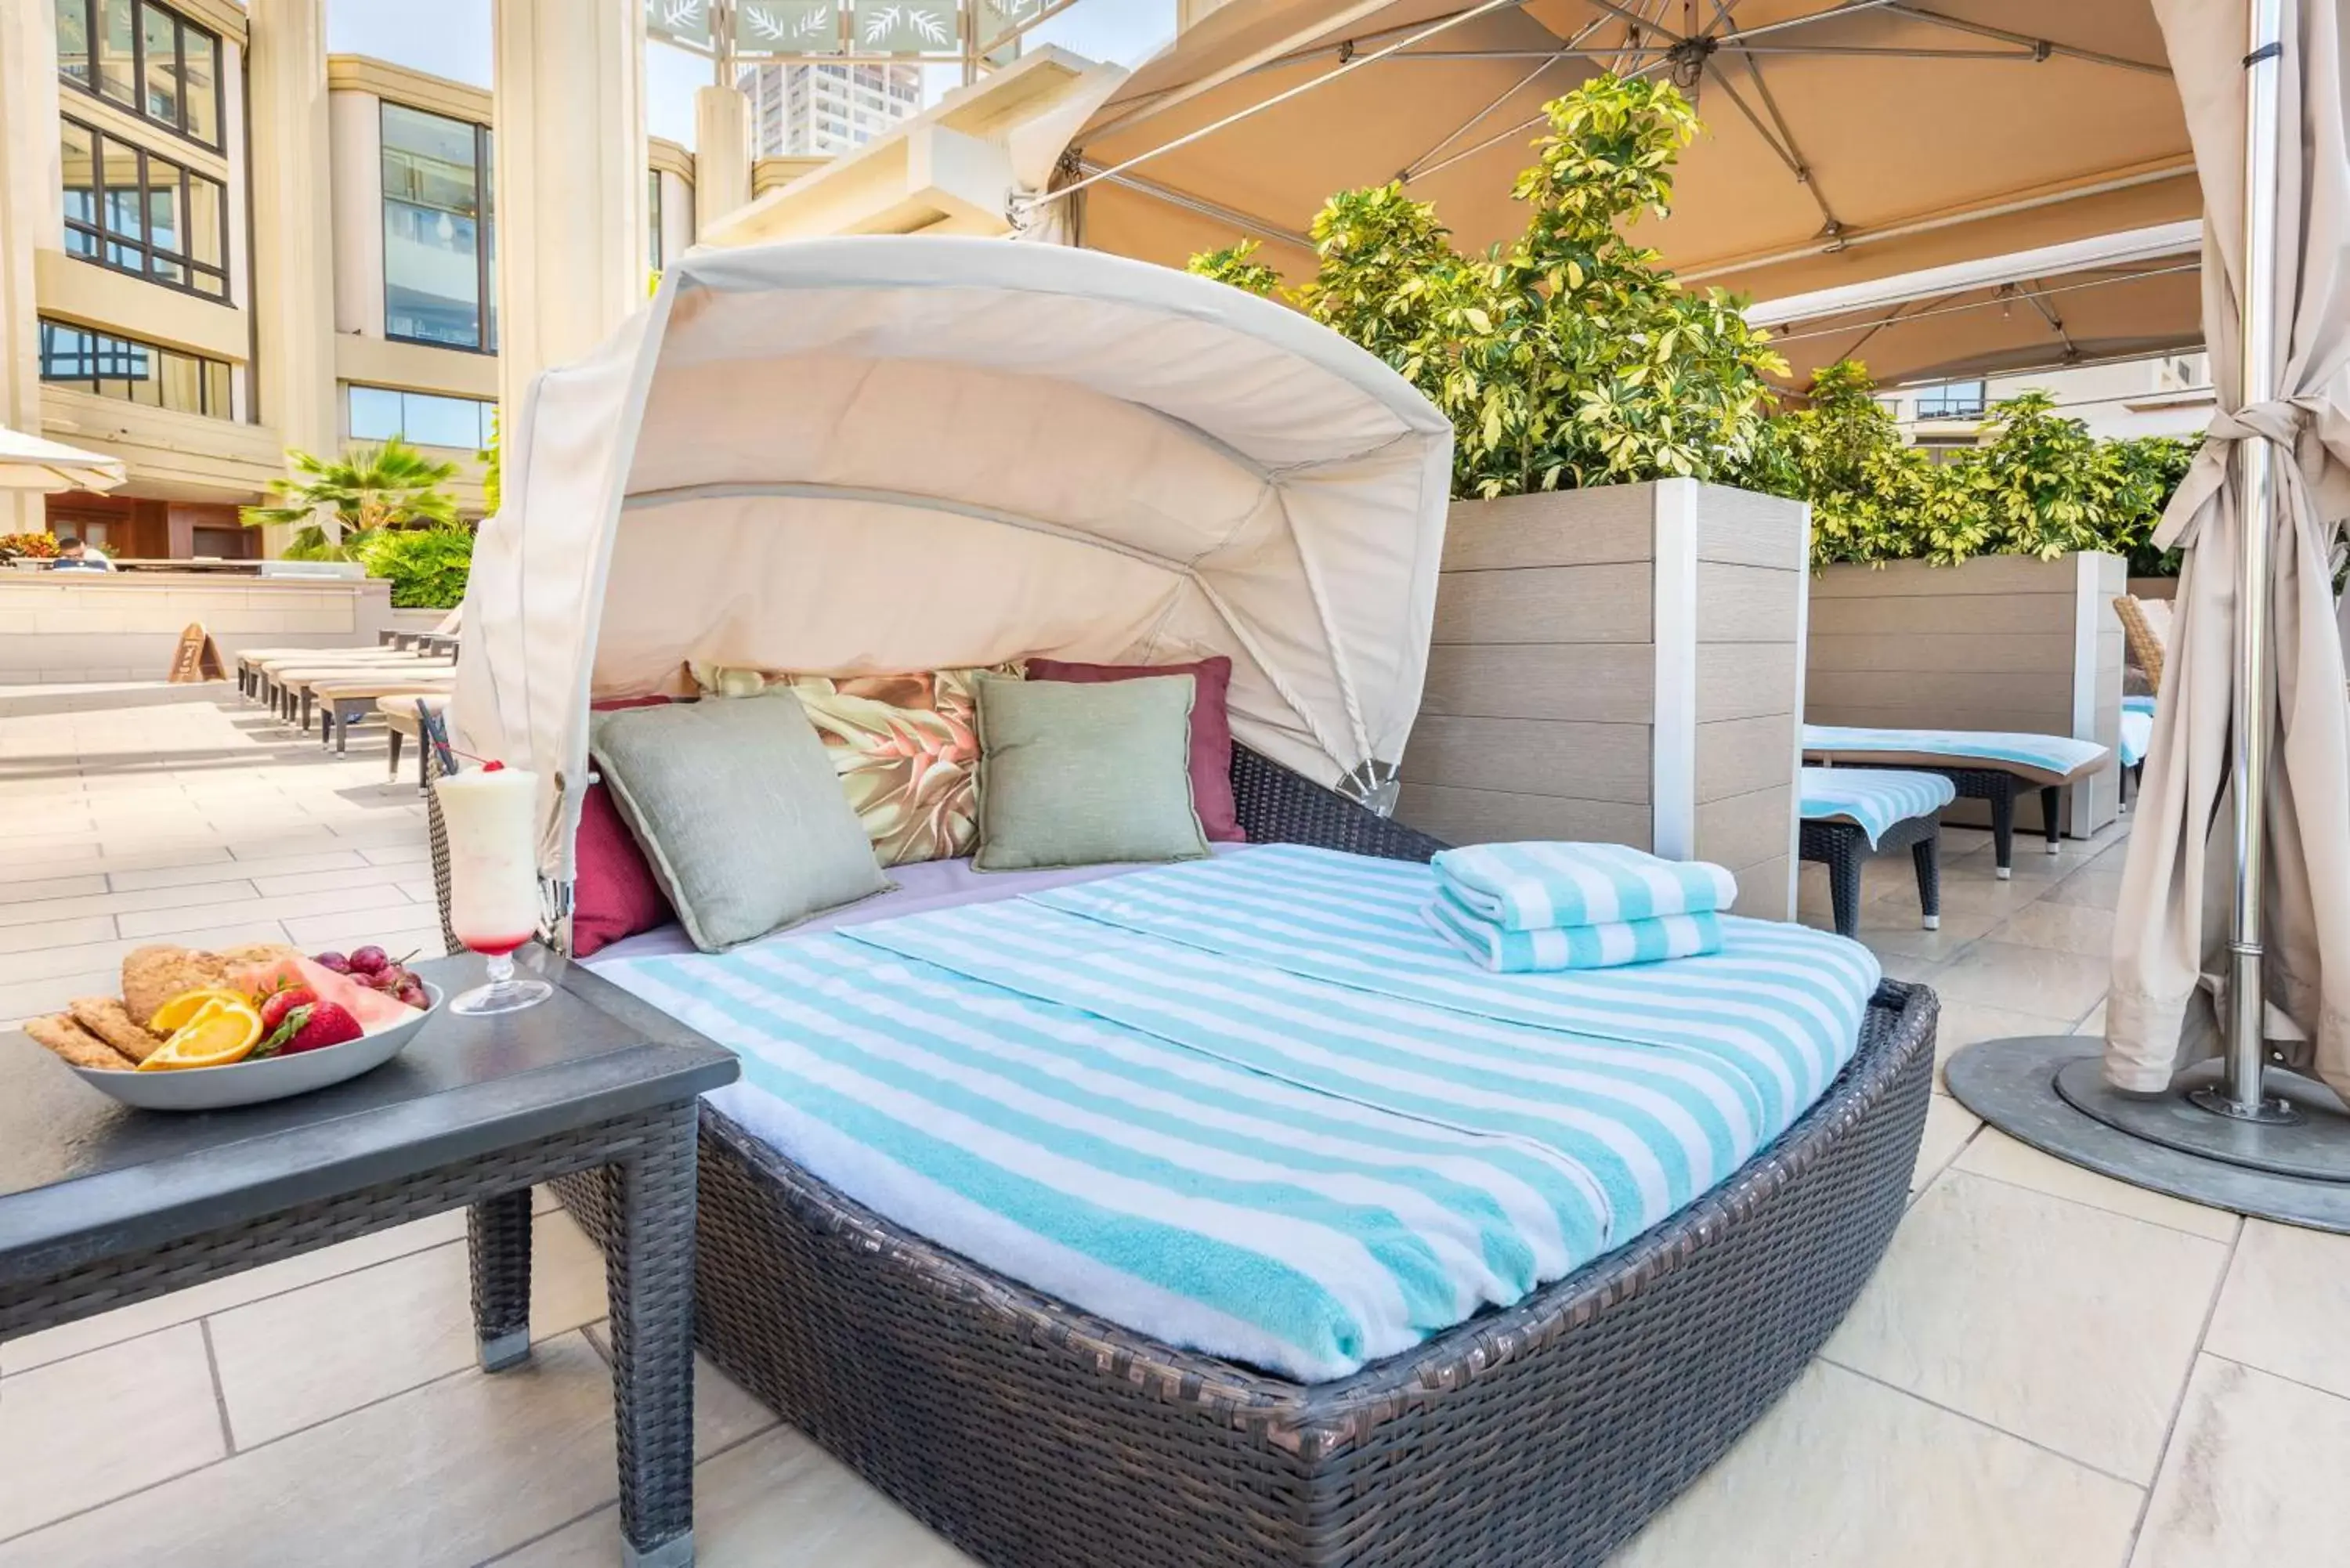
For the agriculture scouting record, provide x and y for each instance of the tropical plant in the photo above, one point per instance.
(1570, 357)
(367, 488)
(427, 567)
(1844, 454)
(493, 468)
(2151, 468)
(1233, 264)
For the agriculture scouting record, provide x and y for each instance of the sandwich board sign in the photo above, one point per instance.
(197, 659)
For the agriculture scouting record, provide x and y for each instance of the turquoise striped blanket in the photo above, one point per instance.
(2046, 759)
(1602, 946)
(1876, 798)
(1534, 884)
(1268, 1115)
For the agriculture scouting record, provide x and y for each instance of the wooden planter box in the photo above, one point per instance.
(1999, 643)
(1624, 665)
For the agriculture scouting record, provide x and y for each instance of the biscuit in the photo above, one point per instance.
(153, 975)
(77, 1045)
(106, 1018)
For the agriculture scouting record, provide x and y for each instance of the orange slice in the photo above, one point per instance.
(186, 1006)
(223, 1030)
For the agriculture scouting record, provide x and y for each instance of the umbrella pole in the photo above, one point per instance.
(2239, 1093)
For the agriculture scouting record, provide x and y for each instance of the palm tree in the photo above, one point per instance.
(366, 489)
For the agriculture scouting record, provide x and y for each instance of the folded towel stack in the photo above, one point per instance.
(1519, 907)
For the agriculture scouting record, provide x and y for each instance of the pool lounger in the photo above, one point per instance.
(1988, 765)
(1849, 814)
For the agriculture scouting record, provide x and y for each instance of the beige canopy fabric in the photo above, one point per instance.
(2171, 939)
(2114, 298)
(885, 453)
(36, 463)
(1843, 143)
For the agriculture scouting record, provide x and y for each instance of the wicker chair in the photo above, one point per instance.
(2144, 642)
(1034, 1435)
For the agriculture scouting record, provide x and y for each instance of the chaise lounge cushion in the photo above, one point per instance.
(1212, 729)
(739, 814)
(1077, 775)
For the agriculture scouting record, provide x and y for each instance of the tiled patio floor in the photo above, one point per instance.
(2050, 1370)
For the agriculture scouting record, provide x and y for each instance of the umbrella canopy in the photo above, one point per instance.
(1844, 142)
(2086, 302)
(32, 462)
(2278, 463)
(882, 453)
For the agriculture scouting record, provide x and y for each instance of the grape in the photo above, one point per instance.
(369, 958)
(335, 961)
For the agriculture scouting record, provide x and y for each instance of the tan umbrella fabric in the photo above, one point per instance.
(1842, 143)
(2171, 935)
(36, 463)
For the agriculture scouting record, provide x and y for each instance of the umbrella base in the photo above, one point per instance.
(2048, 1091)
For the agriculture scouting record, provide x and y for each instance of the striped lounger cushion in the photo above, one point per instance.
(1875, 798)
(2137, 730)
(1255, 1106)
(2042, 759)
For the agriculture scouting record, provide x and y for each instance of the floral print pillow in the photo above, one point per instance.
(906, 748)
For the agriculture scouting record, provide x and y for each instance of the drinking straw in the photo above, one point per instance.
(436, 733)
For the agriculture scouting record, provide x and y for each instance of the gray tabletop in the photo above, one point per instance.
(83, 1178)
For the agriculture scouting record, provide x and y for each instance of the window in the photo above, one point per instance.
(134, 372)
(1956, 401)
(147, 58)
(439, 248)
(139, 213)
(426, 418)
(652, 218)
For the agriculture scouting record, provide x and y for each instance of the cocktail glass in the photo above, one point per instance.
(490, 816)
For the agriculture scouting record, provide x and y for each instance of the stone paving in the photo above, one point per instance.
(2050, 1368)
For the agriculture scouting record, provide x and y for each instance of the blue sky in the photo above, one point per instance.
(452, 38)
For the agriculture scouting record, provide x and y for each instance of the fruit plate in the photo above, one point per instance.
(251, 1083)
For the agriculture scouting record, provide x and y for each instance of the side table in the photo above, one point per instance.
(101, 1206)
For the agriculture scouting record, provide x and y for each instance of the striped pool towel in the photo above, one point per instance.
(1264, 1113)
(1875, 798)
(1534, 885)
(1602, 946)
(2138, 734)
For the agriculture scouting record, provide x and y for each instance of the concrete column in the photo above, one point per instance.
(32, 218)
(570, 198)
(293, 224)
(722, 155)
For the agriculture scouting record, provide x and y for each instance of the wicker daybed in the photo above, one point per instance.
(1031, 1434)
(1028, 1432)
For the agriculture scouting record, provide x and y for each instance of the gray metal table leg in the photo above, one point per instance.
(649, 1276)
(498, 1243)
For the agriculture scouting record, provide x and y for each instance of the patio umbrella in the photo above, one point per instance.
(30, 463)
(1843, 141)
(2239, 871)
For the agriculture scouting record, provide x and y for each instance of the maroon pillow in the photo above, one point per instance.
(613, 894)
(1212, 729)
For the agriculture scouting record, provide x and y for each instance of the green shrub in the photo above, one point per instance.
(2151, 468)
(1570, 357)
(427, 568)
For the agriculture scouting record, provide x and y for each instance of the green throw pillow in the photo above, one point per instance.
(1082, 775)
(738, 812)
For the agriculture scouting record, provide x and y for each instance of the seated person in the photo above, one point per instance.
(73, 555)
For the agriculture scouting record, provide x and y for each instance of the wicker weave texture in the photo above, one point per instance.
(2144, 642)
(1036, 1436)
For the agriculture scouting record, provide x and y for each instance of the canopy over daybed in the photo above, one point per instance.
(872, 454)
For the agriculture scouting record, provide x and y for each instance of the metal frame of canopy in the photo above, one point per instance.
(2241, 1146)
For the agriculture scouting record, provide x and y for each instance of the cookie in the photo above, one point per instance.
(77, 1045)
(106, 1018)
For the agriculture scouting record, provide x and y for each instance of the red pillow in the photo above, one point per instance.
(1212, 729)
(613, 893)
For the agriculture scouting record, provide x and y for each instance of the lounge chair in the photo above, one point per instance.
(1994, 766)
(401, 725)
(343, 703)
(1850, 813)
(298, 688)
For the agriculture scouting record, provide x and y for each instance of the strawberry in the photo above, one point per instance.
(323, 1023)
(277, 1004)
